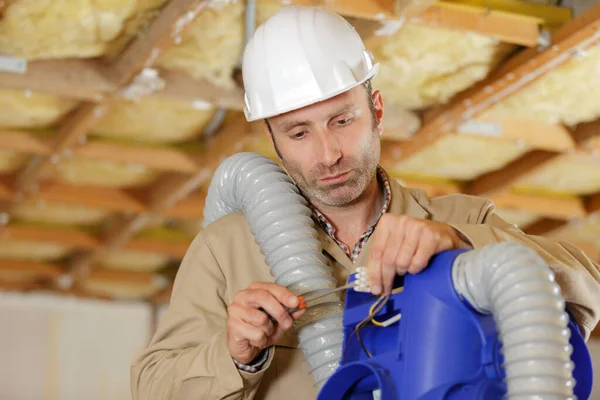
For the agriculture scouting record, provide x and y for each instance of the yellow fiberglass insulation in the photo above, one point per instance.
(120, 290)
(10, 161)
(137, 261)
(460, 157)
(13, 249)
(44, 29)
(421, 66)
(568, 94)
(57, 213)
(22, 109)
(153, 119)
(572, 173)
(82, 171)
(210, 46)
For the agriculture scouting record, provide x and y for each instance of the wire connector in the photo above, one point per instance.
(362, 280)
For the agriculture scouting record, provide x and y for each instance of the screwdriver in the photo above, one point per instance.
(302, 302)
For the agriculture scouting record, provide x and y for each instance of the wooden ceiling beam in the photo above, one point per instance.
(544, 206)
(25, 142)
(504, 178)
(70, 78)
(159, 158)
(173, 19)
(520, 71)
(529, 133)
(69, 237)
(80, 240)
(525, 132)
(544, 226)
(164, 158)
(39, 269)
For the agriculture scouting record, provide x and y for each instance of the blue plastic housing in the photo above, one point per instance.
(441, 348)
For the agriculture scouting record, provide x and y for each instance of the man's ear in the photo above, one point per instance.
(378, 102)
(268, 132)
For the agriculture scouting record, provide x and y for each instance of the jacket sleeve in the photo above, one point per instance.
(188, 356)
(576, 274)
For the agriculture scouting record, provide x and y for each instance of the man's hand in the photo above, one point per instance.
(402, 244)
(249, 330)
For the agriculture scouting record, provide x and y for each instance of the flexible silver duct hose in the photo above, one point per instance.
(515, 284)
(280, 220)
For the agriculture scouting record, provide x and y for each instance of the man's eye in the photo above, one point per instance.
(344, 121)
(299, 135)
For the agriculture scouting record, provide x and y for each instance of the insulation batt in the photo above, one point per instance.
(423, 66)
(576, 173)
(177, 120)
(137, 261)
(82, 171)
(447, 157)
(210, 47)
(13, 249)
(25, 109)
(57, 213)
(10, 161)
(120, 290)
(44, 29)
(567, 95)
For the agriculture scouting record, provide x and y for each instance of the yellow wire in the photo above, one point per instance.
(373, 320)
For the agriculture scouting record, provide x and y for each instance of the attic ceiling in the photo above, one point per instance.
(114, 114)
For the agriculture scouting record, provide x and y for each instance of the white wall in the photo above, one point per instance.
(54, 348)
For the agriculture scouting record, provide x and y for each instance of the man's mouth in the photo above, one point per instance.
(335, 178)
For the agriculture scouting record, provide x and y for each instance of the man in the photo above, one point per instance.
(307, 75)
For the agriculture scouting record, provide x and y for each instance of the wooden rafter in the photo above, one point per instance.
(70, 78)
(545, 206)
(529, 163)
(517, 73)
(46, 275)
(81, 240)
(544, 226)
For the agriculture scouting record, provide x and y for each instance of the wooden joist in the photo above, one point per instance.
(80, 240)
(505, 178)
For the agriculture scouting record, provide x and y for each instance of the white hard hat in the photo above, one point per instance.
(300, 56)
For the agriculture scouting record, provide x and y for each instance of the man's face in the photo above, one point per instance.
(331, 149)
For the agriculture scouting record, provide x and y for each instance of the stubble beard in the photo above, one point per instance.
(363, 170)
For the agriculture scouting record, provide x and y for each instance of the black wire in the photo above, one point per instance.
(380, 303)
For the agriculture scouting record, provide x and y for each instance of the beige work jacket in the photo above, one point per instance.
(188, 357)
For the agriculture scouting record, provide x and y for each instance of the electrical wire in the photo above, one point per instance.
(375, 308)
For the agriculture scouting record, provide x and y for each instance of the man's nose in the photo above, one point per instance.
(330, 148)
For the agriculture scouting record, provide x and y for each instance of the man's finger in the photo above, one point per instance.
(380, 239)
(409, 247)
(281, 293)
(258, 319)
(425, 250)
(259, 298)
(243, 331)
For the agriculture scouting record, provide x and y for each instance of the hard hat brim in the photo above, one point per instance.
(371, 74)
